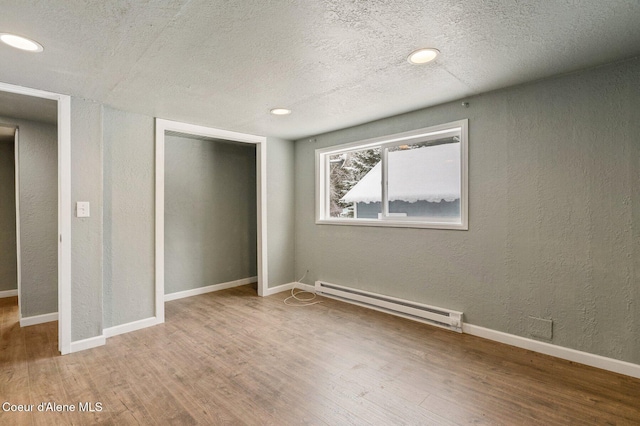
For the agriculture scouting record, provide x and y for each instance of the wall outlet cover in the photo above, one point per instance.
(540, 328)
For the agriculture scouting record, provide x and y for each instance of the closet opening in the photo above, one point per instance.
(210, 211)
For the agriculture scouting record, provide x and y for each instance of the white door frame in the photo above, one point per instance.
(162, 126)
(16, 169)
(64, 207)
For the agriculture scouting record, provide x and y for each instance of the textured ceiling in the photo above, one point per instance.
(336, 63)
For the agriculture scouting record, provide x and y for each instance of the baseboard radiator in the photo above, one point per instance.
(445, 318)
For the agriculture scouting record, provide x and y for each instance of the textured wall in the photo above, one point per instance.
(38, 168)
(86, 233)
(129, 181)
(8, 265)
(280, 211)
(554, 225)
(210, 213)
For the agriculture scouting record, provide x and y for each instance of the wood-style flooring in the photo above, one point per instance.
(232, 357)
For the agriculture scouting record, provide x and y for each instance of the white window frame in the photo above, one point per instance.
(384, 142)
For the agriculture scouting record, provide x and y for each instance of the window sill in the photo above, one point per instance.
(395, 224)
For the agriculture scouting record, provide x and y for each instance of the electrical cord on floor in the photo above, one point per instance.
(296, 300)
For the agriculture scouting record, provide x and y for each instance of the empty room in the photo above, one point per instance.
(329, 213)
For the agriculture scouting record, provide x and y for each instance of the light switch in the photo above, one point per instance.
(82, 209)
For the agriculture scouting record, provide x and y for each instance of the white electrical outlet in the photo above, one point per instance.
(82, 209)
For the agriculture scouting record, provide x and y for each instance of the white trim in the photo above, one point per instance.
(130, 326)
(16, 149)
(390, 223)
(464, 170)
(159, 302)
(261, 205)
(208, 289)
(91, 342)
(384, 200)
(598, 361)
(208, 132)
(8, 293)
(305, 287)
(261, 181)
(64, 207)
(38, 319)
(278, 289)
(285, 287)
(21, 90)
(64, 224)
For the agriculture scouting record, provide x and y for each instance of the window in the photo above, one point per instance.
(415, 179)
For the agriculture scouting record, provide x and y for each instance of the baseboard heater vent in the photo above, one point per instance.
(440, 317)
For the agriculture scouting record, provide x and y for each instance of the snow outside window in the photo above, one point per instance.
(413, 179)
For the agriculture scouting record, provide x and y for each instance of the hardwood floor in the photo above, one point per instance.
(231, 357)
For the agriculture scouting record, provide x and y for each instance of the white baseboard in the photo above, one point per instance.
(598, 361)
(305, 287)
(8, 293)
(94, 342)
(277, 289)
(38, 319)
(285, 287)
(91, 342)
(130, 326)
(209, 289)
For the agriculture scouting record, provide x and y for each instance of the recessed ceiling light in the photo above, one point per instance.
(422, 56)
(21, 42)
(280, 111)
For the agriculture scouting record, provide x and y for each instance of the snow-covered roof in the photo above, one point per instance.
(431, 174)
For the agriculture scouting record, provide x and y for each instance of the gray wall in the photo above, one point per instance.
(280, 211)
(128, 239)
(8, 265)
(554, 217)
(129, 206)
(86, 233)
(38, 173)
(210, 213)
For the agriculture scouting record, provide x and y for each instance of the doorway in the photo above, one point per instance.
(8, 214)
(210, 215)
(165, 127)
(27, 104)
